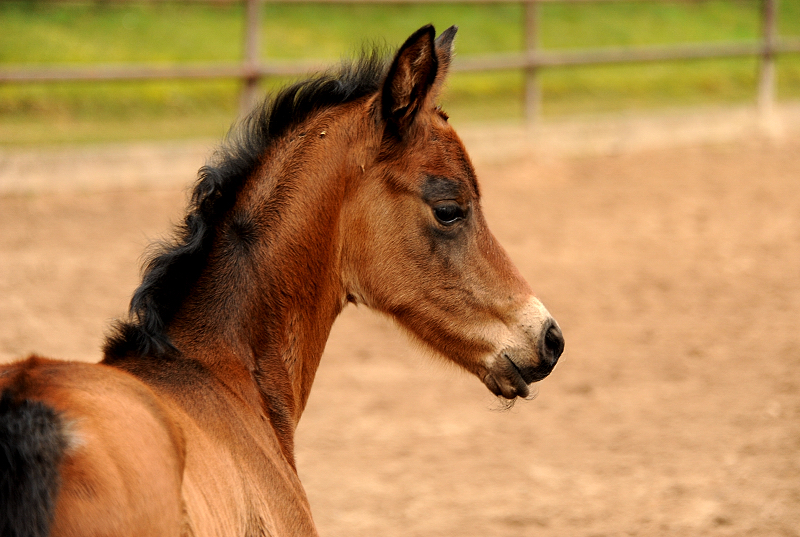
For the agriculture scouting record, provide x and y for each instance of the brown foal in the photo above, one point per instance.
(350, 186)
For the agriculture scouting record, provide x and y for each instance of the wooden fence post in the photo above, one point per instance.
(533, 94)
(766, 78)
(252, 27)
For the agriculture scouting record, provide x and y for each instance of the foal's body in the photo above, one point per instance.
(346, 188)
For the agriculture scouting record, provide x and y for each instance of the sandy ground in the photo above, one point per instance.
(673, 269)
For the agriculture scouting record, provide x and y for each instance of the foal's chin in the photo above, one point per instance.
(508, 380)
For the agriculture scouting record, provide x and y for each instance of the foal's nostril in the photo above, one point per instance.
(553, 344)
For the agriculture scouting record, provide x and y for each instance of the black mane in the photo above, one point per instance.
(175, 266)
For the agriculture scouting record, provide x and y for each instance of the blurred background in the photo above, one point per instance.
(582, 49)
(639, 160)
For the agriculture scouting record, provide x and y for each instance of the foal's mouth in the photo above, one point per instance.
(509, 380)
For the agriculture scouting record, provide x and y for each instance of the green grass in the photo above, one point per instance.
(171, 33)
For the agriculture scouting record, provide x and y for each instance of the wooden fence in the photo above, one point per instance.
(532, 59)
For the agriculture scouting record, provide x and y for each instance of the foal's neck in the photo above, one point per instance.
(272, 288)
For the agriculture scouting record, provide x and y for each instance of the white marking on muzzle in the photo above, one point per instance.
(526, 330)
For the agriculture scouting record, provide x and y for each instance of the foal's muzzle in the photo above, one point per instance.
(517, 368)
(551, 347)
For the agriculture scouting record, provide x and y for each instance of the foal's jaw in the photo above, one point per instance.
(525, 353)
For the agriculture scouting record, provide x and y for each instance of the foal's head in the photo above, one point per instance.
(416, 244)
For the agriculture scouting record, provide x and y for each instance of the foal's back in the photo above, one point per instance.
(108, 454)
(73, 466)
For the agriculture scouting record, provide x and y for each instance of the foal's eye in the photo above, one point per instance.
(448, 214)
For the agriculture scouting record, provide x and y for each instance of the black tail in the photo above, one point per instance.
(31, 447)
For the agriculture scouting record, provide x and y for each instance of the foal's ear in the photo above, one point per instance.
(444, 53)
(410, 78)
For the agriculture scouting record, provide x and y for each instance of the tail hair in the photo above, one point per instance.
(32, 445)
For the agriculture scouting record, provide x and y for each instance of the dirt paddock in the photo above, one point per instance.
(674, 273)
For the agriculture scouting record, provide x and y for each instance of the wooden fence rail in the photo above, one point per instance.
(252, 68)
